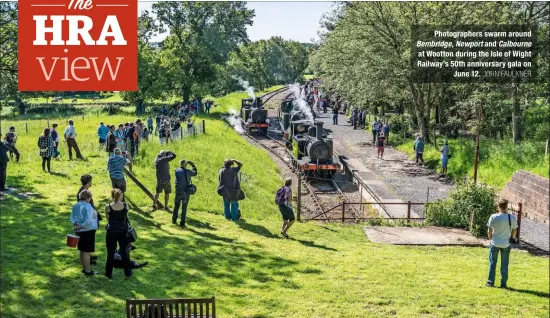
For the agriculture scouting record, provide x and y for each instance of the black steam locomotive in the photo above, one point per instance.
(312, 153)
(254, 116)
(292, 121)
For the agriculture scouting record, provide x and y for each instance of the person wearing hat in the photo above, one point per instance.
(162, 167)
(229, 188)
(10, 140)
(444, 157)
(70, 138)
(4, 159)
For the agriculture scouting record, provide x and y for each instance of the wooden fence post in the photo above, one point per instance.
(27, 127)
(203, 127)
(299, 197)
(520, 208)
(343, 211)
(546, 150)
(409, 211)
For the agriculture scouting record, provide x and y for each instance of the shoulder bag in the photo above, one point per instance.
(191, 187)
(512, 240)
(131, 235)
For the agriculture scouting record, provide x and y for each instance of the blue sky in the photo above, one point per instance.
(297, 21)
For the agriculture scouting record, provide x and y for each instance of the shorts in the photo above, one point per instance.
(380, 148)
(444, 162)
(119, 184)
(286, 212)
(86, 242)
(163, 186)
(102, 141)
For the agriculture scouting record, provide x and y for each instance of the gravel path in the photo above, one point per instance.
(535, 233)
(406, 179)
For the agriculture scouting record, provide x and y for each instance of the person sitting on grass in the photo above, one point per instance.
(183, 182)
(84, 220)
(116, 165)
(119, 263)
(502, 228)
(117, 228)
(284, 201)
(162, 167)
(45, 145)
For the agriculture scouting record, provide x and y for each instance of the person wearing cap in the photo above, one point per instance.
(444, 157)
(70, 138)
(162, 167)
(102, 132)
(116, 165)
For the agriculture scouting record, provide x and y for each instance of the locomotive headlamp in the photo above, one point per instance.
(267, 121)
(300, 128)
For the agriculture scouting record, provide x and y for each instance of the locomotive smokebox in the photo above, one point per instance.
(319, 130)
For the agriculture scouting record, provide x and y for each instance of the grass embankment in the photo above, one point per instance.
(325, 271)
(233, 100)
(498, 159)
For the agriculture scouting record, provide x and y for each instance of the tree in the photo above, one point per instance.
(151, 75)
(8, 52)
(202, 35)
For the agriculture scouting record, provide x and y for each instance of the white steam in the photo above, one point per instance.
(300, 102)
(235, 121)
(246, 86)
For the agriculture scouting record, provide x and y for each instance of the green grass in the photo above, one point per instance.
(233, 101)
(324, 271)
(498, 159)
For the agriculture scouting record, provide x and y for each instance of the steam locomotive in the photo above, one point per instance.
(312, 153)
(292, 121)
(254, 116)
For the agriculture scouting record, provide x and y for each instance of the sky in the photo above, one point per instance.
(298, 21)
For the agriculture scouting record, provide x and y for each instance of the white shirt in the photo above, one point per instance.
(70, 132)
(502, 228)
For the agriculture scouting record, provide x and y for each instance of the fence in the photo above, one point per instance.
(516, 209)
(342, 208)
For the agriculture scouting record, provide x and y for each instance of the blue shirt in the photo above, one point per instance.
(419, 146)
(116, 167)
(182, 181)
(502, 228)
(84, 216)
(386, 129)
(102, 132)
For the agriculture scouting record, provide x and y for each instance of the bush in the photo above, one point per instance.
(456, 211)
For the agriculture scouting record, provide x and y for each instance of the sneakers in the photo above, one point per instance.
(490, 284)
(90, 273)
(284, 235)
(503, 286)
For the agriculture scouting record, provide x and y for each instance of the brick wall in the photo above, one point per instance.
(532, 191)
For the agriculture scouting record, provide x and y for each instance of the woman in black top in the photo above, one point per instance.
(117, 228)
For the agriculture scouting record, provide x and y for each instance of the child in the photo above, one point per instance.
(380, 144)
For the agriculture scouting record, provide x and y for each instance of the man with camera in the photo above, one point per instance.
(162, 167)
(502, 229)
(115, 165)
(184, 189)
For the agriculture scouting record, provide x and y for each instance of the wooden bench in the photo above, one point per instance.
(171, 308)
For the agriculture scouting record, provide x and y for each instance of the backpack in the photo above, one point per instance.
(280, 196)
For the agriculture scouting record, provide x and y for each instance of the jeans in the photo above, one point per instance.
(114, 237)
(71, 144)
(231, 209)
(335, 119)
(493, 258)
(13, 151)
(181, 199)
(46, 160)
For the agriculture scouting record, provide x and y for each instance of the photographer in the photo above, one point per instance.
(230, 189)
(162, 167)
(115, 165)
(183, 191)
(502, 229)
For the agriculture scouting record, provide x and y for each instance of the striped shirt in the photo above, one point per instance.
(115, 165)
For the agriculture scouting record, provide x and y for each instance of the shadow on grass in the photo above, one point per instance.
(41, 263)
(312, 244)
(258, 229)
(60, 174)
(530, 292)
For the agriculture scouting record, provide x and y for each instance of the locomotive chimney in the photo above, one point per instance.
(319, 130)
